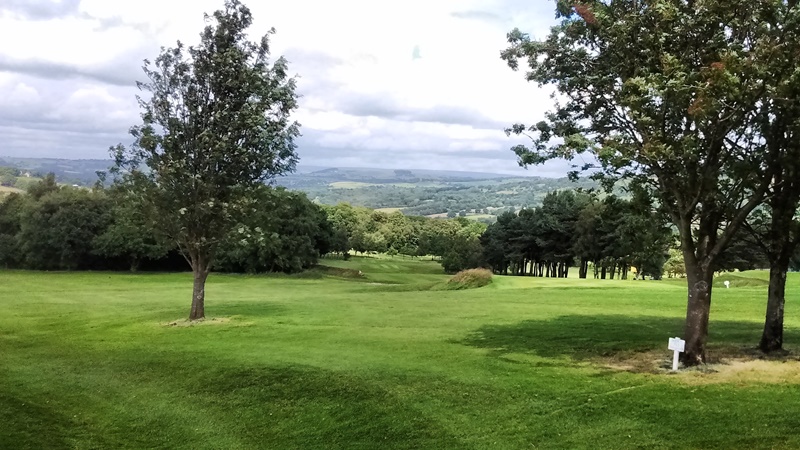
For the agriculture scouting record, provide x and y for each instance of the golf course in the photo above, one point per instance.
(380, 353)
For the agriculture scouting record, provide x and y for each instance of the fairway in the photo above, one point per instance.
(385, 360)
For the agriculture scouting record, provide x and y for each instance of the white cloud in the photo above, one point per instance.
(421, 80)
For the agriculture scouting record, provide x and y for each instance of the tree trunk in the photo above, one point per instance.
(772, 338)
(200, 272)
(697, 310)
(134, 264)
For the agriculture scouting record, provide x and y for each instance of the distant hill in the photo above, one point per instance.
(379, 173)
(82, 172)
(434, 193)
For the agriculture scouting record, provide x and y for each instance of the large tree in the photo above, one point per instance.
(775, 226)
(664, 93)
(216, 125)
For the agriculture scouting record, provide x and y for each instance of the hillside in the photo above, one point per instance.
(414, 192)
(427, 192)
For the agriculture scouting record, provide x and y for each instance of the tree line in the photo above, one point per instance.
(55, 227)
(577, 229)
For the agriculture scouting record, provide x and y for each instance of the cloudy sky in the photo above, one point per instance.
(410, 84)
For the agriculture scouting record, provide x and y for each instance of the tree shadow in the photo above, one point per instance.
(317, 408)
(583, 337)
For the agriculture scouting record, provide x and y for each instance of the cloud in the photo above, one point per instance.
(386, 107)
(40, 9)
(418, 84)
(478, 15)
(119, 72)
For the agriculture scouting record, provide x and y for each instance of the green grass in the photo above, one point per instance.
(380, 360)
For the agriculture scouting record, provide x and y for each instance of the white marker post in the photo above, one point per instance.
(727, 284)
(677, 345)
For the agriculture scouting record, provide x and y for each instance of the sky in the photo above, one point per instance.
(412, 84)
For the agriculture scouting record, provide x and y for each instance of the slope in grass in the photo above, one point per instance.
(327, 362)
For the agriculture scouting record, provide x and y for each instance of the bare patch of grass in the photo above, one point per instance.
(730, 365)
(184, 323)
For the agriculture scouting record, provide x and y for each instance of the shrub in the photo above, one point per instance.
(470, 279)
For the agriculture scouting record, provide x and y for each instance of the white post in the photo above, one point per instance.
(677, 345)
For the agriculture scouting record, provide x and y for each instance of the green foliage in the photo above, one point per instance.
(57, 229)
(11, 209)
(675, 267)
(612, 234)
(470, 279)
(132, 234)
(285, 232)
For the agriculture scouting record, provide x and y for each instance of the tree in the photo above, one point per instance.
(215, 127)
(288, 233)
(11, 208)
(642, 97)
(775, 227)
(132, 234)
(57, 229)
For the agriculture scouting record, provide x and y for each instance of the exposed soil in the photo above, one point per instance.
(726, 365)
(206, 322)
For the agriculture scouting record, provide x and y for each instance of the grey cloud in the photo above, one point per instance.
(108, 23)
(469, 161)
(385, 107)
(309, 59)
(18, 142)
(432, 154)
(484, 16)
(121, 71)
(40, 9)
(43, 10)
(318, 84)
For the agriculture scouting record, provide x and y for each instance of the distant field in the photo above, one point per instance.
(4, 190)
(389, 210)
(349, 185)
(106, 361)
(359, 185)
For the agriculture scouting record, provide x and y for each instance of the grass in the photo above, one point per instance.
(380, 360)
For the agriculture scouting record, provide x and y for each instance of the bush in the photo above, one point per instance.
(470, 279)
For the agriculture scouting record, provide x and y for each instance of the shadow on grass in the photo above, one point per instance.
(28, 419)
(586, 337)
(314, 408)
